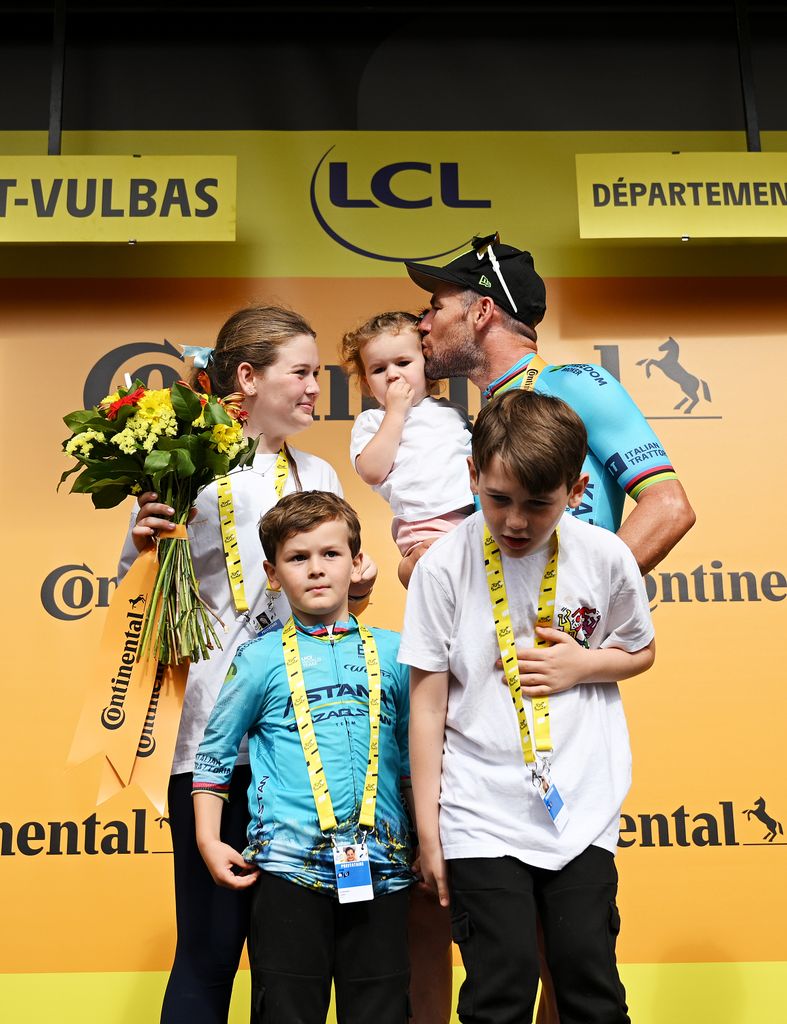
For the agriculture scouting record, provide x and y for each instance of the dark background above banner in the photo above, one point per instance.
(393, 66)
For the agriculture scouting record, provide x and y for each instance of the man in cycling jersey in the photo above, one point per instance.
(485, 305)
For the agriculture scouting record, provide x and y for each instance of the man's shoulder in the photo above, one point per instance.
(594, 392)
(578, 376)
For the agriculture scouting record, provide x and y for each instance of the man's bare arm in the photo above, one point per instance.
(661, 517)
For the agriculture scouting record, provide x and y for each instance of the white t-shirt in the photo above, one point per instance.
(253, 493)
(429, 475)
(488, 807)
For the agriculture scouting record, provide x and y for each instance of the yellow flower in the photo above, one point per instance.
(228, 439)
(126, 441)
(155, 409)
(82, 444)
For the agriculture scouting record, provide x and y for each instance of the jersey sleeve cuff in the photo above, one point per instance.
(221, 790)
(655, 475)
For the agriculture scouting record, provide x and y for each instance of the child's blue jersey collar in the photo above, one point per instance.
(323, 632)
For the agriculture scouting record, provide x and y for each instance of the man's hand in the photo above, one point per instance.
(220, 860)
(546, 670)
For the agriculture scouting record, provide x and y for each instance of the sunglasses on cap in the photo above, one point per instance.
(483, 248)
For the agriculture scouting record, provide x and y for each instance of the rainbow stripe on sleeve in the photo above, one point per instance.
(219, 789)
(654, 475)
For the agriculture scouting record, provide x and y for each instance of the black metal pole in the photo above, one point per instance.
(58, 73)
(747, 77)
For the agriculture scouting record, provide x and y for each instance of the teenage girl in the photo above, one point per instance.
(269, 356)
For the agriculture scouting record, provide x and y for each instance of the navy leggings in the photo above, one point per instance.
(212, 922)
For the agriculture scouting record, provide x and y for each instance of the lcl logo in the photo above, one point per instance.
(438, 183)
(382, 187)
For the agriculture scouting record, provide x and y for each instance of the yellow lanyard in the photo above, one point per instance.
(229, 531)
(308, 737)
(505, 634)
(532, 370)
(507, 641)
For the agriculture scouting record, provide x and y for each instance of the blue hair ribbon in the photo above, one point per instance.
(201, 354)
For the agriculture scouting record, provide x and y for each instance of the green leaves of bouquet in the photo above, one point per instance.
(161, 440)
(175, 442)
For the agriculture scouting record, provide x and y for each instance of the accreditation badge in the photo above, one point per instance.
(268, 620)
(353, 873)
(551, 798)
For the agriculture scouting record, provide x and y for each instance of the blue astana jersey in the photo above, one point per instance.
(284, 835)
(624, 454)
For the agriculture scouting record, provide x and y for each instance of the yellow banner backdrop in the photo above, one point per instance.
(702, 850)
(682, 195)
(117, 199)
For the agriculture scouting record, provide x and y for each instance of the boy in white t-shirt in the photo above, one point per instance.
(413, 449)
(518, 797)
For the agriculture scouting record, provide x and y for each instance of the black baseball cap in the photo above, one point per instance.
(488, 267)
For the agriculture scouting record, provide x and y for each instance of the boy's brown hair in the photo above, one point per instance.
(354, 341)
(539, 439)
(302, 512)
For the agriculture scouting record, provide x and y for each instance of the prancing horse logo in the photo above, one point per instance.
(771, 824)
(670, 366)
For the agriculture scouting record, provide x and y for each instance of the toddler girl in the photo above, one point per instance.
(412, 450)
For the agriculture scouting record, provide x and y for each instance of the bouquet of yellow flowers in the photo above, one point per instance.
(172, 441)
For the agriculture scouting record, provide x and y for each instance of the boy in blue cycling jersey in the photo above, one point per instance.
(325, 706)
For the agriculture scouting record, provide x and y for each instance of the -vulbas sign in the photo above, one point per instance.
(117, 198)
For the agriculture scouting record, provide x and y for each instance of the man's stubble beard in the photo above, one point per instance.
(460, 356)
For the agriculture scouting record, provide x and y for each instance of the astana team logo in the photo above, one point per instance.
(673, 369)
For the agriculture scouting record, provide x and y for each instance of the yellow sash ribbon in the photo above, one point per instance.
(131, 709)
(229, 531)
(308, 737)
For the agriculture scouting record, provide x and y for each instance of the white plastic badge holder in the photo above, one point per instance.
(353, 874)
(556, 809)
(550, 795)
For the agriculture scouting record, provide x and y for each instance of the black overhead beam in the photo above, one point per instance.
(747, 77)
(58, 73)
